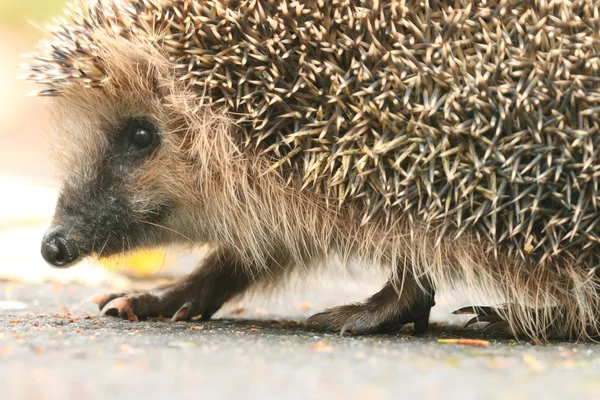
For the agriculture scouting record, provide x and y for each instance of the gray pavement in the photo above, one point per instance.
(53, 348)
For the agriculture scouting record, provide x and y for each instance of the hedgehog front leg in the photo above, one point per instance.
(396, 304)
(199, 295)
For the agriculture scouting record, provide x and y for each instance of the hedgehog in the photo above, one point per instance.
(455, 144)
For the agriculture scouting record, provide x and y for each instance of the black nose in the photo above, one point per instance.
(57, 249)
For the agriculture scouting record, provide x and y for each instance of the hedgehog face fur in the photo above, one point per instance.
(112, 145)
(453, 141)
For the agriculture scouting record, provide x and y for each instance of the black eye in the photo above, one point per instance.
(139, 137)
(142, 137)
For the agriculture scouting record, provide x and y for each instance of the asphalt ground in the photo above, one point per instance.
(53, 347)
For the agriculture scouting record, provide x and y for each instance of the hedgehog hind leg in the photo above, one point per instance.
(491, 315)
(498, 320)
(384, 312)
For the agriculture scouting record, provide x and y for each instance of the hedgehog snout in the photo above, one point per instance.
(58, 249)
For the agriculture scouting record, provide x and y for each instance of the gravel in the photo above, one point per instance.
(53, 348)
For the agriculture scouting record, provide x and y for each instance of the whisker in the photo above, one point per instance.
(104, 245)
(168, 229)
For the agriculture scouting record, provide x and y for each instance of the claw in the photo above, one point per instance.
(491, 315)
(349, 327)
(484, 318)
(182, 313)
(102, 299)
(480, 310)
(122, 306)
(98, 298)
(320, 320)
(499, 325)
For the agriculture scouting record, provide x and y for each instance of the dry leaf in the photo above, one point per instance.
(321, 347)
(196, 328)
(465, 342)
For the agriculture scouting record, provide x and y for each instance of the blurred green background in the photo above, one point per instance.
(28, 188)
(23, 121)
(15, 14)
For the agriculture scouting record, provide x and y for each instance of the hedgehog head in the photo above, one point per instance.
(125, 141)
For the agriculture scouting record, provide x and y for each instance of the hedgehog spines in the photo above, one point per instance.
(476, 118)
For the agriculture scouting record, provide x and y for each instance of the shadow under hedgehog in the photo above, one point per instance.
(453, 143)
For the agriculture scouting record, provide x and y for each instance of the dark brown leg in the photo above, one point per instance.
(199, 295)
(386, 311)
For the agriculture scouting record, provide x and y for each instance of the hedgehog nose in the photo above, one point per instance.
(58, 249)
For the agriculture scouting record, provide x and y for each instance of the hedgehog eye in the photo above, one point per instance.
(140, 137)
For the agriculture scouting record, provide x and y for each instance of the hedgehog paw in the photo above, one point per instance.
(357, 319)
(490, 315)
(539, 327)
(196, 296)
(385, 312)
(157, 303)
